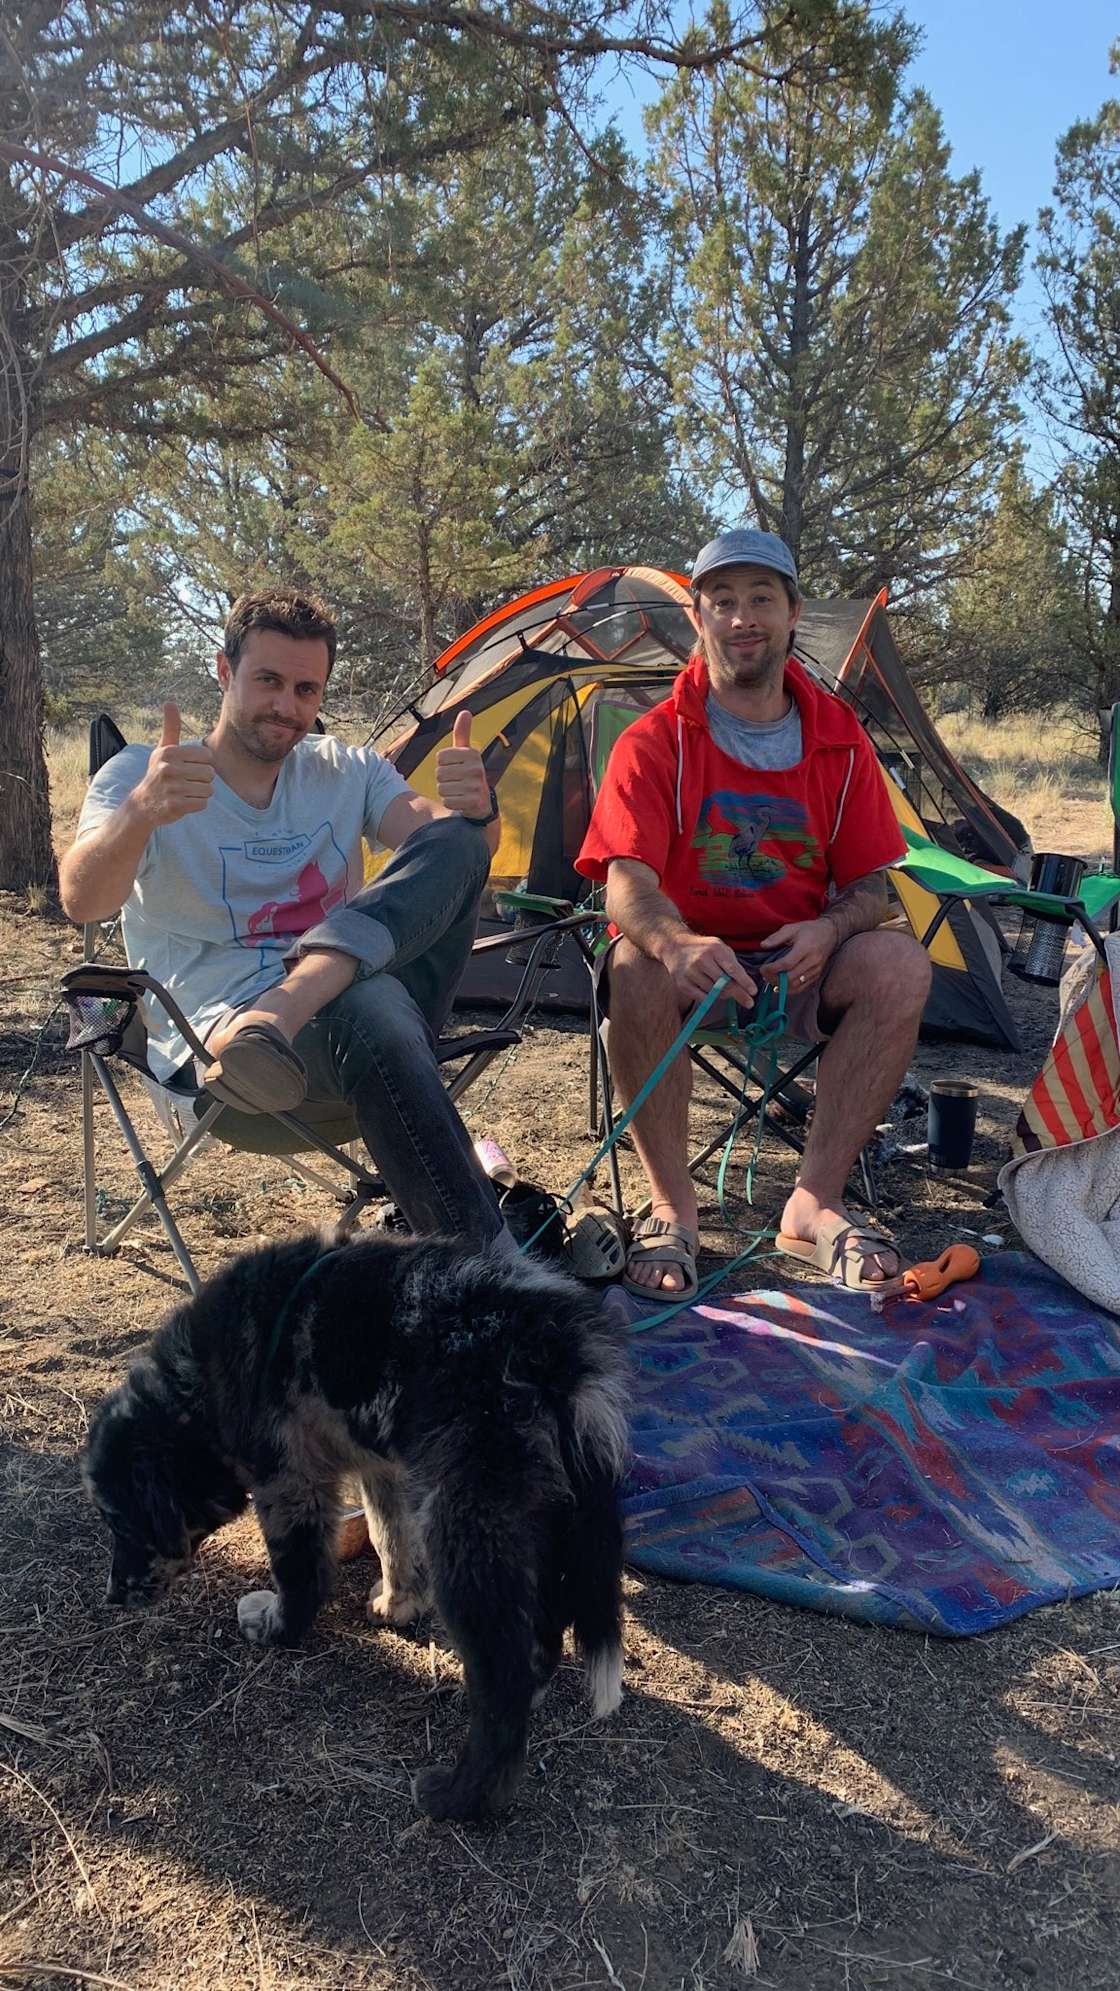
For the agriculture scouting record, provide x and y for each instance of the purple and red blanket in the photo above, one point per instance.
(942, 1467)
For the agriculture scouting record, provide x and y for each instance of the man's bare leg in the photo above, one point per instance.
(645, 1018)
(879, 985)
(313, 981)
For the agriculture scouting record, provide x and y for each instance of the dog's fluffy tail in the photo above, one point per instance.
(594, 1447)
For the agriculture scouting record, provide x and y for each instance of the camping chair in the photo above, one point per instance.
(955, 879)
(107, 1025)
(785, 1105)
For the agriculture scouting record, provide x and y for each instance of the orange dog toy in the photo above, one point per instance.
(926, 1281)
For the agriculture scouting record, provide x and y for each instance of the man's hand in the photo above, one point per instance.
(695, 961)
(809, 944)
(179, 778)
(460, 775)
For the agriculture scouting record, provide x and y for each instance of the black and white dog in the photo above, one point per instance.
(480, 1400)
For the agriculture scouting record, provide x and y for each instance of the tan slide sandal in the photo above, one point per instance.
(842, 1249)
(667, 1246)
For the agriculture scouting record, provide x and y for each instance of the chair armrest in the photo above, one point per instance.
(102, 978)
(95, 978)
(450, 1048)
(542, 904)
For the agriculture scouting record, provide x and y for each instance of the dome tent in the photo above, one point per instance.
(555, 676)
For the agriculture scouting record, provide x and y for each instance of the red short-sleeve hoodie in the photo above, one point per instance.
(741, 852)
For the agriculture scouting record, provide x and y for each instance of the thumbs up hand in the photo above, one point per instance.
(179, 776)
(460, 775)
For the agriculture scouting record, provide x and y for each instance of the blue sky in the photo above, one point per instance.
(1009, 77)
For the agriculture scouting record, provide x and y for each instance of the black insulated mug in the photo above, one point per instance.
(952, 1122)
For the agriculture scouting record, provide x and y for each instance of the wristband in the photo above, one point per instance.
(481, 822)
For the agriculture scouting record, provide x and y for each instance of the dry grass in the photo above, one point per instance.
(1044, 769)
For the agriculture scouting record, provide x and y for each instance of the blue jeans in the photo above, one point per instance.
(411, 933)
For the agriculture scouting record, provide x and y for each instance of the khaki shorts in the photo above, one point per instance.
(803, 1017)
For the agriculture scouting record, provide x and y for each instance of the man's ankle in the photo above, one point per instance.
(680, 1210)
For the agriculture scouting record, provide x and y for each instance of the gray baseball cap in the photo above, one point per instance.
(744, 547)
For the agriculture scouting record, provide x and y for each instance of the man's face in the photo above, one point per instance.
(745, 619)
(273, 697)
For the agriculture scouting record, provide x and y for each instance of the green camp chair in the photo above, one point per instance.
(107, 1026)
(953, 879)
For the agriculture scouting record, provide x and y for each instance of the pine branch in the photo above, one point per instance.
(236, 285)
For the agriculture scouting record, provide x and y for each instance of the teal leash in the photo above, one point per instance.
(755, 1035)
(636, 1104)
(620, 1127)
(309, 1272)
(765, 1032)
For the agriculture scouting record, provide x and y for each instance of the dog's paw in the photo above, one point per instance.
(395, 1607)
(442, 1794)
(258, 1617)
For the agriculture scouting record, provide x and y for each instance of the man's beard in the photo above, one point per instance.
(266, 747)
(766, 663)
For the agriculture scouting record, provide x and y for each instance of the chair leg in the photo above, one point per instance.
(355, 1207)
(89, 1158)
(472, 1070)
(606, 1113)
(153, 1183)
(867, 1194)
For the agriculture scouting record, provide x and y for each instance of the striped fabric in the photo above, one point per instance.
(1076, 1096)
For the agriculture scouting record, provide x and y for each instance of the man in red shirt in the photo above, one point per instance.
(748, 812)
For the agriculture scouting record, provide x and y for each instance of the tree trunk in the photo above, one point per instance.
(1108, 663)
(429, 649)
(26, 853)
(793, 473)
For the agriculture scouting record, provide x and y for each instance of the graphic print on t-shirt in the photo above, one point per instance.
(732, 829)
(301, 894)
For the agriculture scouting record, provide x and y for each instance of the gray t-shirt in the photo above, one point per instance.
(775, 744)
(220, 895)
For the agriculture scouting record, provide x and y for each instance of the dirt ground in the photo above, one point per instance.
(783, 1799)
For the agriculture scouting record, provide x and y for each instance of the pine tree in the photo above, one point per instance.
(1005, 632)
(1079, 383)
(839, 338)
(155, 168)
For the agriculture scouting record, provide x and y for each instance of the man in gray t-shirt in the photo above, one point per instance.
(237, 864)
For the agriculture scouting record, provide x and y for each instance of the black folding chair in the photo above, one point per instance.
(785, 1104)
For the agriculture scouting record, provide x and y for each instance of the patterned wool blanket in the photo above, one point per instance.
(942, 1466)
